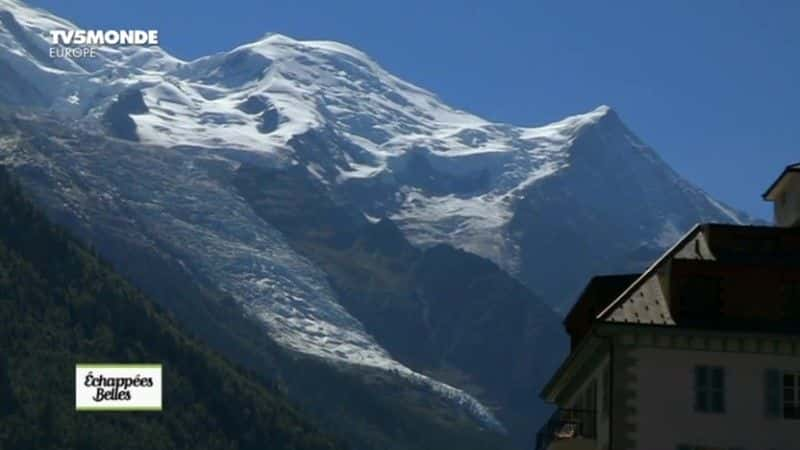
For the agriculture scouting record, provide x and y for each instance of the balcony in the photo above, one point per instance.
(569, 429)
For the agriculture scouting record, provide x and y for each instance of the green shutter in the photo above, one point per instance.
(772, 390)
(718, 383)
(700, 402)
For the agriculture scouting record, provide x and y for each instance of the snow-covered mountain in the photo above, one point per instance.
(444, 175)
(551, 204)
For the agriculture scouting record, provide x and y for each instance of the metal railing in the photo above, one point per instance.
(567, 424)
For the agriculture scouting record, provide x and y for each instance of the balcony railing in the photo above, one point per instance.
(567, 424)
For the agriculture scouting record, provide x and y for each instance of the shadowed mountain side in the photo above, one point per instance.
(441, 311)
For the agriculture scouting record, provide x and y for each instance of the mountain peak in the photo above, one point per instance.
(273, 39)
(571, 125)
(602, 112)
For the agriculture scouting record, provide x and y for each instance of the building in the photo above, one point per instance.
(699, 352)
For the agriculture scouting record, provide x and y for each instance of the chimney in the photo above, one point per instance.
(785, 196)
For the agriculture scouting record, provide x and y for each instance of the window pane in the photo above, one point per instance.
(700, 377)
(791, 411)
(701, 400)
(717, 402)
(717, 378)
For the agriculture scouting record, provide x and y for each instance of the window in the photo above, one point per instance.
(791, 395)
(709, 389)
(783, 394)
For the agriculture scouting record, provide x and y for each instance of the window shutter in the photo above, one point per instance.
(719, 390)
(701, 385)
(772, 389)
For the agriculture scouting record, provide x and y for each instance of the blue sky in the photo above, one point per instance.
(713, 86)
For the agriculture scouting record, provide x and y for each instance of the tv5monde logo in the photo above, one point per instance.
(84, 43)
(118, 387)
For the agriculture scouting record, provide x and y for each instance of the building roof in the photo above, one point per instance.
(596, 296)
(789, 171)
(616, 303)
(717, 249)
(600, 291)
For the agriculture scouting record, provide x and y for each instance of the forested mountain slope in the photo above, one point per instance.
(60, 305)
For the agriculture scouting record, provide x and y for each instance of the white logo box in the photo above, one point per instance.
(118, 387)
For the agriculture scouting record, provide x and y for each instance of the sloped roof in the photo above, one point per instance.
(648, 304)
(644, 300)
